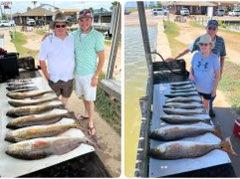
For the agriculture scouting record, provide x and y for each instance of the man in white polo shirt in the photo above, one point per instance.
(57, 50)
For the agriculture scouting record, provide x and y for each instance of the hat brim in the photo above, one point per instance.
(85, 16)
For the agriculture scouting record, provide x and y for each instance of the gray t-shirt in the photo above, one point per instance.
(204, 70)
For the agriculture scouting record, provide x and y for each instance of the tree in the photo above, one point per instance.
(34, 3)
(113, 4)
(159, 5)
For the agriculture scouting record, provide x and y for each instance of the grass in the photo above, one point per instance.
(172, 31)
(109, 110)
(230, 84)
(41, 32)
(19, 39)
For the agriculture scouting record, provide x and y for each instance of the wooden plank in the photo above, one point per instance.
(112, 88)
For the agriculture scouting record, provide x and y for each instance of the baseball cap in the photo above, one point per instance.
(85, 13)
(212, 23)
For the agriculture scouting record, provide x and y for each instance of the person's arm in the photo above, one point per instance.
(44, 69)
(222, 59)
(179, 55)
(217, 78)
(191, 75)
(101, 56)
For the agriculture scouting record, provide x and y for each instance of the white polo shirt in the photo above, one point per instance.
(59, 55)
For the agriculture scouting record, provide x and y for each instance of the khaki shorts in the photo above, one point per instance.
(62, 88)
(84, 88)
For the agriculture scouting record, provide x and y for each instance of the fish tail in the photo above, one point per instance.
(226, 145)
(78, 125)
(93, 142)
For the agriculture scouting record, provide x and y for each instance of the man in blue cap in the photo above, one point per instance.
(219, 50)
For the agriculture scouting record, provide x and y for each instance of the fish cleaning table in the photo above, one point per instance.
(162, 168)
(13, 167)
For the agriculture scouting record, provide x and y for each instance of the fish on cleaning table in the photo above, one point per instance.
(184, 99)
(184, 111)
(191, 105)
(43, 147)
(173, 95)
(188, 149)
(182, 91)
(183, 119)
(38, 119)
(41, 131)
(28, 94)
(187, 87)
(181, 83)
(22, 88)
(27, 110)
(29, 101)
(174, 132)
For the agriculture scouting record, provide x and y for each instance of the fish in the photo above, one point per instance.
(39, 119)
(35, 109)
(182, 119)
(41, 131)
(184, 111)
(19, 82)
(182, 91)
(175, 132)
(26, 102)
(188, 149)
(22, 95)
(173, 95)
(43, 147)
(181, 83)
(184, 99)
(25, 89)
(187, 87)
(191, 105)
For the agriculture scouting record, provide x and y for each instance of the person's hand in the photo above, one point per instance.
(170, 59)
(191, 77)
(94, 81)
(46, 35)
(213, 93)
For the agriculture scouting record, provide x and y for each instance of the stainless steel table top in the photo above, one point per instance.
(160, 168)
(12, 167)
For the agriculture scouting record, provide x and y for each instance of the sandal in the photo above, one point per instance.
(81, 117)
(91, 129)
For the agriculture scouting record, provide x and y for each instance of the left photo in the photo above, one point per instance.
(60, 89)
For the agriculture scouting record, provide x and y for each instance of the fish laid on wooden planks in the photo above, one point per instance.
(22, 95)
(183, 105)
(184, 99)
(173, 95)
(184, 111)
(183, 119)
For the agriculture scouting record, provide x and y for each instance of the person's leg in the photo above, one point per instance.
(206, 104)
(89, 107)
(211, 112)
(66, 91)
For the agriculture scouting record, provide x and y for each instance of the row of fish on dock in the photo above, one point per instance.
(37, 123)
(185, 117)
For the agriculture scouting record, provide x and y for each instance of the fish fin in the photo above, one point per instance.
(226, 145)
(70, 114)
(78, 125)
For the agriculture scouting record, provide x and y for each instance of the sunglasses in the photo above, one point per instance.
(58, 26)
(203, 44)
(212, 28)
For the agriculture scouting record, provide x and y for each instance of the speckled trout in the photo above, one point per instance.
(183, 119)
(28, 94)
(38, 119)
(29, 101)
(41, 131)
(27, 110)
(180, 83)
(183, 105)
(184, 99)
(184, 111)
(173, 95)
(174, 132)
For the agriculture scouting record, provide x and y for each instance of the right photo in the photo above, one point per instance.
(182, 81)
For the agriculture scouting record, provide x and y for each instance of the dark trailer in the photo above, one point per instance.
(160, 74)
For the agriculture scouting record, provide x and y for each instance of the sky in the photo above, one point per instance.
(21, 6)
